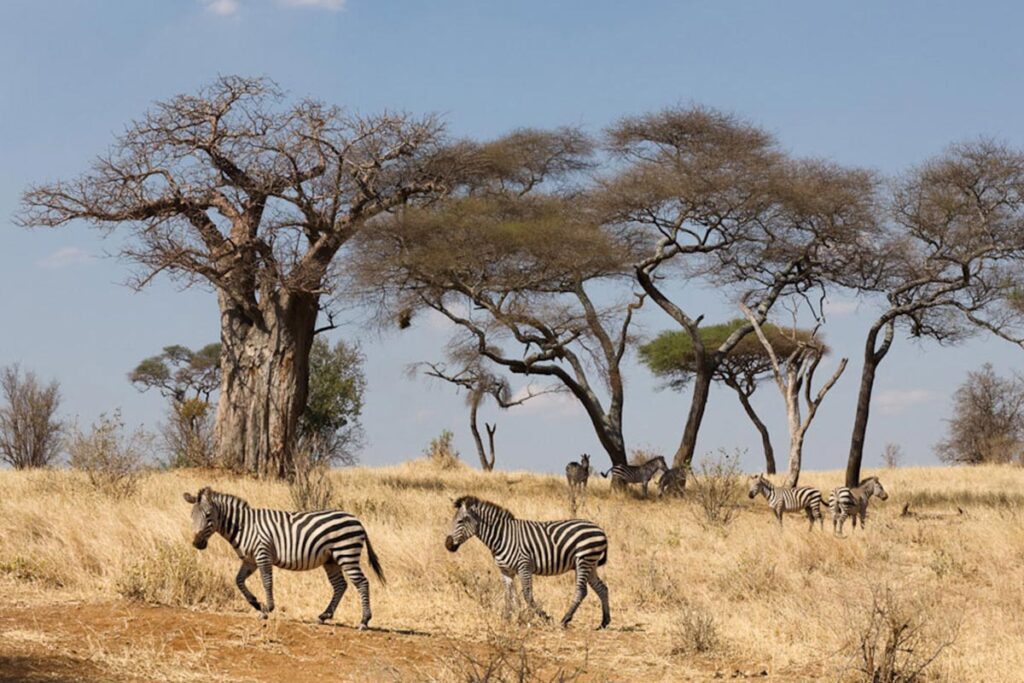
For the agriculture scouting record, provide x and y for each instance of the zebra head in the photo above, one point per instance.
(874, 487)
(585, 462)
(205, 517)
(464, 525)
(758, 484)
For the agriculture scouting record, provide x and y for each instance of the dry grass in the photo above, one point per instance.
(685, 601)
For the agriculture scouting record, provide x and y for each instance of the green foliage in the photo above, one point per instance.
(671, 355)
(179, 371)
(334, 402)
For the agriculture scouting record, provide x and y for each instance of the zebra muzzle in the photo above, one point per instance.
(450, 544)
(200, 543)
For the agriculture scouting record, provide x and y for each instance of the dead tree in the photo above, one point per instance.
(794, 375)
(233, 189)
(478, 384)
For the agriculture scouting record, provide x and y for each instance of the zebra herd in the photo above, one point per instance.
(264, 538)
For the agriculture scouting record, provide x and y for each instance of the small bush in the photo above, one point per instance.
(171, 574)
(311, 487)
(442, 453)
(892, 456)
(112, 459)
(717, 489)
(897, 640)
(30, 434)
(188, 434)
(506, 658)
(695, 631)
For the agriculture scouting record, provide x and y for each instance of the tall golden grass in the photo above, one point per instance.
(687, 598)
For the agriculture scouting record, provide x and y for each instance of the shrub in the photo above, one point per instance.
(695, 631)
(441, 452)
(171, 574)
(310, 486)
(892, 456)
(29, 433)
(717, 489)
(188, 434)
(897, 640)
(111, 458)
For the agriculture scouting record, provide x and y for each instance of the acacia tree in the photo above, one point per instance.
(514, 266)
(234, 189)
(479, 383)
(187, 378)
(715, 197)
(670, 355)
(948, 266)
(30, 433)
(793, 375)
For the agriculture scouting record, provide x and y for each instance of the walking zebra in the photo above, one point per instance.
(636, 474)
(672, 482)
(264, 539)
(787, 499)
(577, 474)
(523, 548)
(850, 502)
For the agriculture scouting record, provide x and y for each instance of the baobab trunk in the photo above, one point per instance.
(264, 383)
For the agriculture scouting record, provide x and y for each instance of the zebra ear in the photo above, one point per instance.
(189, 498)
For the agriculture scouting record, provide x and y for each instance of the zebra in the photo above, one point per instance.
(788, 499)
(672, 482)
(525, 548)
(577, 474)
(636, 474)
(850, 502)
(265, 538)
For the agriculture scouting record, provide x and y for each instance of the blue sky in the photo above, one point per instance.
(876, 84)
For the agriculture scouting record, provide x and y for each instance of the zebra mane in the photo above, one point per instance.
(476, 503)
(866, 480)
(219, 498)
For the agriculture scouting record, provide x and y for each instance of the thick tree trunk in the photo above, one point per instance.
(264, 383)
(860, 422)
(766, 439)
(688, 446)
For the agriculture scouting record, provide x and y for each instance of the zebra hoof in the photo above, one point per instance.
(263, 615)
(325, 617)
(604, 623)
(363, 626)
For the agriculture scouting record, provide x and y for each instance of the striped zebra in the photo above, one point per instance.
(577, 474)
(636, 474)
(850, 502)
(264, 539)
(788, 499)
(524, 548)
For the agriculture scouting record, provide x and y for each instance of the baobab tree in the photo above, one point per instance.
(949, 265)
(717, 198)
(234, 189)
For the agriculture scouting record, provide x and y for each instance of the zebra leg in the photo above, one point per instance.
(508, 578)
(778, 515)
(643, 487)
(267, 574)
(583, 570)
(244, 572)
(526, 581)
(356, 576)
(338, 583)
(602, 592)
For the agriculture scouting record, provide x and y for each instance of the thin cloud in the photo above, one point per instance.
(896, 401)
(223, 8)
(332, 5)
(65, 257)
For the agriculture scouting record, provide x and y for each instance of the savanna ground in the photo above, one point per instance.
(93, 588)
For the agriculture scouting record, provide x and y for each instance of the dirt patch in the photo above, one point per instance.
(125, 641)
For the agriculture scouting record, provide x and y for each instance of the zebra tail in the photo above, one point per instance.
(605, 474)
(374, 562)
(604, 558)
